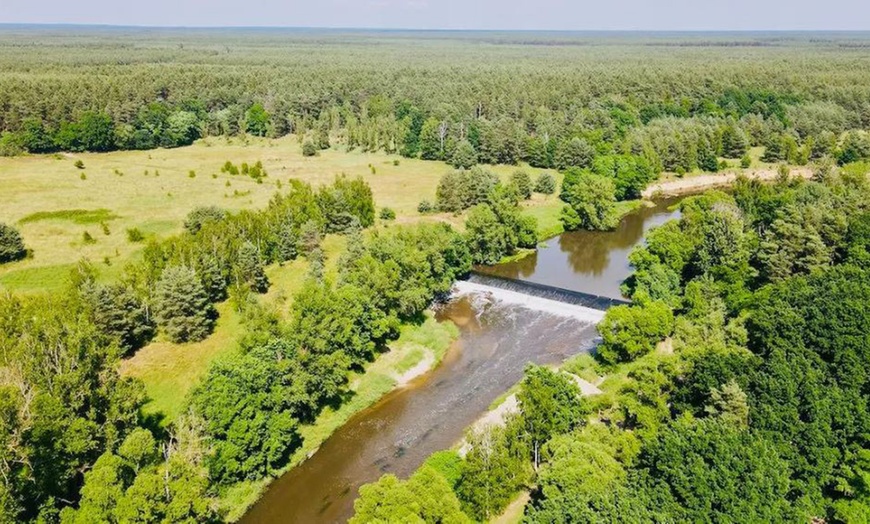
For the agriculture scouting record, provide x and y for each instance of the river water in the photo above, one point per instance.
(499, 335)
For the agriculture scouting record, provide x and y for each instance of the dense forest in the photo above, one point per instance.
(755, 409)
(679, 102)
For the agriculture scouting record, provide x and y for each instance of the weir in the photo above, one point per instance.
(543, 291)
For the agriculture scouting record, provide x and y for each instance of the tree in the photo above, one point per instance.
(257, 120)
(464, 156)
(11, 244)
(729, 403)
(119, 314)
(629, 332)
(181, 306)
(201, 216)
(545, 184)
(249, 268)
(494, 470)
(574, 153)
(522, 184)
(590, 200)
(550, 404)
(426, 497)
(345, 202)
(630, 174)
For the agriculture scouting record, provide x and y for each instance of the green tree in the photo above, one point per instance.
(249, 268)
(545, 184)
(201, 216)
(590, 200)
(119, 314)
(522, 184)
(257, 120)
(629, 332)
(464, 156)
(11, 244)
(550, 404)
(426, 497)
(181, 306)
(574, 153)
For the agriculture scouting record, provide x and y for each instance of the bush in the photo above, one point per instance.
(309, 148)
(181, 306)
(87, 238)
(11, 244)
(629, 332)
(425, 207)
(545, 184)
(746, 161)
(134, 235)
(79, 164)
(387, 214)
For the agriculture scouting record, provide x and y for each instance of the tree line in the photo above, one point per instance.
(555, 106)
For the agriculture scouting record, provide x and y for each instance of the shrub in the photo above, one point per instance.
(79, 164)
(387, 214)
(181, 306)
(545, 184)
(134, 235)
(309, 148)
(746, 161)
(425, 207)
(88, 239)
(11, 244)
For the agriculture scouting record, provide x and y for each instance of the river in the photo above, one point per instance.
(498, 337)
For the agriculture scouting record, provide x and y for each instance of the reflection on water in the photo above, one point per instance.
(589, 261)
(497, 339)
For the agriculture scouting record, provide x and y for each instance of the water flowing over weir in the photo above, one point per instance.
(500, 332)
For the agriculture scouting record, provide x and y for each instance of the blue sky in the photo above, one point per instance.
(454, 14)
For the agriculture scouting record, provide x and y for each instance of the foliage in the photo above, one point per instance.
(458, 190)
(387, 214)
(11, 244)
(201, 216)
(629, 332)
(545, 184)
(521, 183)
(181, 306)
(590, 202)
(425, 497)
(345, 202)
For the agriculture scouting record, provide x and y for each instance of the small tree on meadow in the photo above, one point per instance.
(545, 184)
(464, 156)
(522, 183)
(181, 306)
(201, 216)
(11, 244)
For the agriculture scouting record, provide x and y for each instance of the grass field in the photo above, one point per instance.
(54, 204)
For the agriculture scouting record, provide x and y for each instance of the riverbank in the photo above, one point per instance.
(702, 182)
(418, 345)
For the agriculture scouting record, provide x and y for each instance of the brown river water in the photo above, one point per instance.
(499, 335)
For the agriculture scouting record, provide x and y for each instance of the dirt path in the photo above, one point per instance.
(694, 184)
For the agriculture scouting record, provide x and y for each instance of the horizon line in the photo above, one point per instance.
(414, 29)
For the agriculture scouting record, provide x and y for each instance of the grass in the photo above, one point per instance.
(169, 371)
(76, 216)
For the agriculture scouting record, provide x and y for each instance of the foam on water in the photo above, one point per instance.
(465, 288)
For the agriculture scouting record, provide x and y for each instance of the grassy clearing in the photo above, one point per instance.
(378, 379)
(152, 191)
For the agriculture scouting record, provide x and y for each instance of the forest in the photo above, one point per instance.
(740, 384)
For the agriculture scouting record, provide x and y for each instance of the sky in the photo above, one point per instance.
(691, 15)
